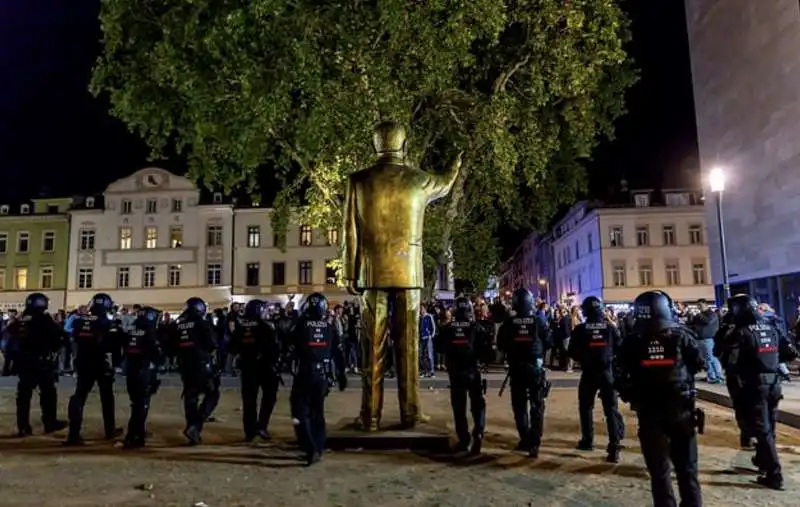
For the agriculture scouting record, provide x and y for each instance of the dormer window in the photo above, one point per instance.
(90, 202)
(4, 209)
(677, 199)
(217, 197)
(642, 200)
(25, 209)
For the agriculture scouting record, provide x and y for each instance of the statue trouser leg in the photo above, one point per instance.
(374, 345)
(405, 333)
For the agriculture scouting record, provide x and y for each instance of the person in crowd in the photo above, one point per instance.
(705, 325)
(427, 331)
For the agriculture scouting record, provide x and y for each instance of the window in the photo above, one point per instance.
(214, 274)
(149, 276)
(46, 277)
(642, 200)
(176, 236)
(90, 202)
(619, 275)
(25, 209)
(177, 205)
(48, 241)
(696, 234)
(278, 273)
(20, 278)
(678, 199)
(305, 235)
(152, 206)
(217, 197)
(645, 274)
(123, 278)
(699, 273)
(2, 279)
(3, 242)
(330, 274)
(252, 274)
(23, 242)
(85, 278)
(642, 235)
(253, 236)
(673, 273)
(174, 276)
(304, 272)
(151, 237)
(577, 250)
(589, 241)
(52, 209)
(214, 235)
(333, 237)
(616, 237)
(125, 238)
(86, 239)
(4, 209)
(669, 235)
(125, 207)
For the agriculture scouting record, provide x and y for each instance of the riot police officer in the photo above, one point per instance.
(524, 338)
(142, 357)
(594, 344)
(464, 346)
(40, 340)
(255, 341)
(316, 351)
(727, 352)
(656, 375)
(760, 348)
(192, 341)
(98, 348)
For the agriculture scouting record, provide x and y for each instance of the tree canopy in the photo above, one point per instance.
(526, 88)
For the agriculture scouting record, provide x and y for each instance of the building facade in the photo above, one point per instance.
(618, 252)
(151, 240)
(745, 72)
(34, 246)
(530, 267)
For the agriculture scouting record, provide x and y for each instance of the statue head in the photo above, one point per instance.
(389, 138)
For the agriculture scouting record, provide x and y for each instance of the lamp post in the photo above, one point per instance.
(716, 178)
(543, 283)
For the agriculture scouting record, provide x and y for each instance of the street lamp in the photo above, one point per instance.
(716, 179)
(546, 286)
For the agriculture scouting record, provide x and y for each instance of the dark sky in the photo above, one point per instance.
(55, 137)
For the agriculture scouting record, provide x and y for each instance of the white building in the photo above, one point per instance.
(616, 253)
(266, 271)
(149, 240)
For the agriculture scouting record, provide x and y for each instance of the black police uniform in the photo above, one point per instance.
(656, 375)
(594, 344)
(315, 351)
(193, 343)
(727, 352)
(40, 340)
(142, 357)
(256, 344)
(464, 345)
(525, 339)
(760, 349)
(98, 348)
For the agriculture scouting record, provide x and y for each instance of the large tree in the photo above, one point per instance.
(526, 88)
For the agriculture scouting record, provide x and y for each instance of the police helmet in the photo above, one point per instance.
(102, 300)
(654, 310)
(37, 301)
(149, 313)
(254, 309)
(522, 302)
(196, 305)
(315, 306)
(592, 308)
(464, 311)
(743, 309)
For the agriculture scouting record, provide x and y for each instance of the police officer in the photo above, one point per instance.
(760, 349)
(315, 350)
(656, 375)
(727, 352)
(98, 348)
(255, 341)
(594, 344)
(141, 356)
(193, 343)
(464, 345)
(524, 339)
(40, 340)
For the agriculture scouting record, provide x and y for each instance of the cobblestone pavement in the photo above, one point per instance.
(225, 472)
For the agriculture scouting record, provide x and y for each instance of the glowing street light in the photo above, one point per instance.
(716, 180)
(543, 283)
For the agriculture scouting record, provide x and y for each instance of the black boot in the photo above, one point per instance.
(585, 445)
(477, 445)
(771, 481)
(55, 426)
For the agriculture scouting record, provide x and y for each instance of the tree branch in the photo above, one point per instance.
(500, 83)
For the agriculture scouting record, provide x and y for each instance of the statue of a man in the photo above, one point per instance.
(383, 223)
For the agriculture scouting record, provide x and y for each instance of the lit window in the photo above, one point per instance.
(151, 237)
(21, 278)
(333, 237)
(253, 236)
(306, 235)
(125, 238)
(176, 236)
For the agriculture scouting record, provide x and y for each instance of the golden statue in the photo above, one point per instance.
(382, 237)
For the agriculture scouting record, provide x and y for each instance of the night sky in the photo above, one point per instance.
(55, 138)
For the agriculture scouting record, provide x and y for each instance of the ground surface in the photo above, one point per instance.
(224, 472)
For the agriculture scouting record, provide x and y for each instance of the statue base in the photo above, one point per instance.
(388, 438)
